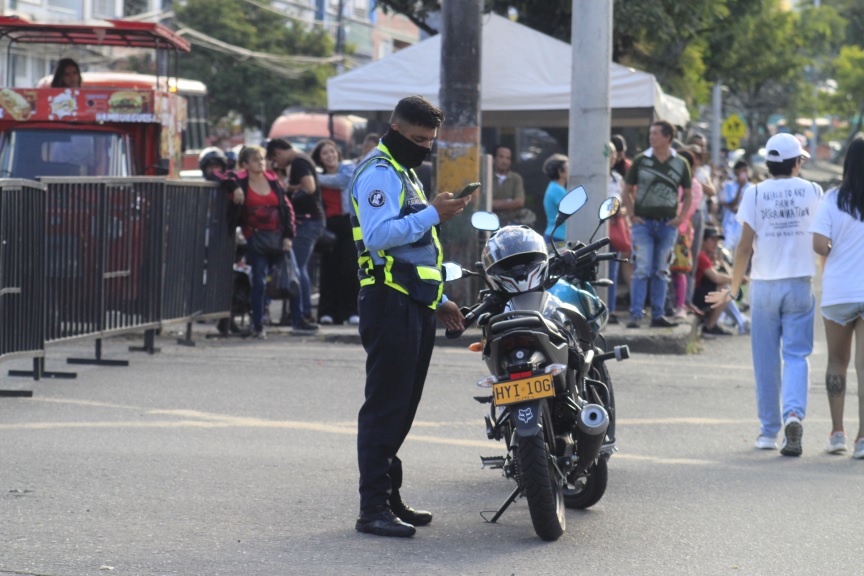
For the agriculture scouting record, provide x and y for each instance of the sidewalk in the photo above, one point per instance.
(677, 340)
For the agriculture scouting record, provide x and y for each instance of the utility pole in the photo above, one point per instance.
(340, 37)
(459, 136)
(814, 138)
(716, 121)
(590, 122)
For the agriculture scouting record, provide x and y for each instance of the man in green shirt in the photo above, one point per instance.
(651, 197)
(508, 191)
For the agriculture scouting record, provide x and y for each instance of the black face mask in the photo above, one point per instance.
(407, 153)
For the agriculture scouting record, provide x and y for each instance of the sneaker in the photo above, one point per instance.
(259, 333)
(765, 443)
(662, 322)
(326, 319)
(304, 329)
(354, 320)
(836, 443)
(613, 319)
(680, 314)
(716, 330)
(859, 449)
(792, 440)
(634, 323)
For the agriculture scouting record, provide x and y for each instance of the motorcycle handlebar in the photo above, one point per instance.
(593, 247)
(471, 316)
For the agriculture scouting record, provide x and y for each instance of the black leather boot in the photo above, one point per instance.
(408, 514)
(381, 521)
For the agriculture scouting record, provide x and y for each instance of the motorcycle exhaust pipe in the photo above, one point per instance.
(591, 426)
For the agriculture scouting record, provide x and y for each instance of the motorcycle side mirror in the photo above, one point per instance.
(452, 271)
(485, 221)
(572, 202)
(609, 208)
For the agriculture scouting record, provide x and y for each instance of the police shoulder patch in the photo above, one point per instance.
(376, 198)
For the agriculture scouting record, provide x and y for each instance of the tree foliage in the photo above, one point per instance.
(768, 56)
(243, 86)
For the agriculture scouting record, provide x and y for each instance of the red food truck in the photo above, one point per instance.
(92, 131)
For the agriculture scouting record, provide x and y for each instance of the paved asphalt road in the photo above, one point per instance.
(238, 458)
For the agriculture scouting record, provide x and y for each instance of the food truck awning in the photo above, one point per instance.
(113, 33)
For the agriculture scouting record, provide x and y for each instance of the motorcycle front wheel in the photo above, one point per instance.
(542, 485)
(588, 490)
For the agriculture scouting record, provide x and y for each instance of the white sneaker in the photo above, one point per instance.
(859, 449)
(836, 443)
(765, 443)
(354, 320)
(326, 320)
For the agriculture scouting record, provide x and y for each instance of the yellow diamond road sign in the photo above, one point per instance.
(732, 143)
(733, 127)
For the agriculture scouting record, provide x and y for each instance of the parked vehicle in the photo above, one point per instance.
(102, 130)
(551, 400)
(304, 129)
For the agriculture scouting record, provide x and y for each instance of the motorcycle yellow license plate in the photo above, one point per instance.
(522, 390)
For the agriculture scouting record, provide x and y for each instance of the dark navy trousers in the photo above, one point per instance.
(398, 335)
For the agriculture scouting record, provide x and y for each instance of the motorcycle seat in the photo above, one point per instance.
(531, 321)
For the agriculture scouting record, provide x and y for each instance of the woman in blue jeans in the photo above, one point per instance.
(308, 232)
(265, 211)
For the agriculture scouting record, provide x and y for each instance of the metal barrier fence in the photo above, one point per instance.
(22, 250)
(123, 255)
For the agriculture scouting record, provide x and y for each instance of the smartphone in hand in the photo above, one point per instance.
(470, 188)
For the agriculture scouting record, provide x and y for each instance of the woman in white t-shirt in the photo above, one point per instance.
(838, 234)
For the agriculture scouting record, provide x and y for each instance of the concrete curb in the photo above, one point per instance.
(678, 340)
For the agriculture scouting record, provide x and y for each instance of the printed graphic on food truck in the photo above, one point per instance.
(84, 105)
(63, 104)
(15, 105)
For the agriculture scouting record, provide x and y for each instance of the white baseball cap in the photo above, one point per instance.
(782, 147)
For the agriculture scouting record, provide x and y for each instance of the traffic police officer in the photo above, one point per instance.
(401, 293)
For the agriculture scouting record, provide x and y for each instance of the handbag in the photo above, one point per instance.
(682, 260)
(619, 235)
(265, 242)
(326, 242)
(284, 281)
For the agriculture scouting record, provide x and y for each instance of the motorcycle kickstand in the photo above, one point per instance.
(504, 506)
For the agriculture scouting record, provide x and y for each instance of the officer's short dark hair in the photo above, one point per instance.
(417, 111)
(276, 144)
(666, 128)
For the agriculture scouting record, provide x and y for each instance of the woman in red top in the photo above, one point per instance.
(265, 209)
(339, 285)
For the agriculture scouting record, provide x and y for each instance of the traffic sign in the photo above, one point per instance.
(733, 143)
(733, 127)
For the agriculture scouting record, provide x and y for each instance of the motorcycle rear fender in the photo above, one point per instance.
(526, 418)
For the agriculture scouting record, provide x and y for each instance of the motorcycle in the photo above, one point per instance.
(550, 402)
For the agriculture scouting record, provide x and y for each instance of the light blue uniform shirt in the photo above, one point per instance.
(377, 190)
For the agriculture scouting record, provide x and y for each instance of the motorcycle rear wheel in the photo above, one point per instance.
(542, 487)
(587, 491)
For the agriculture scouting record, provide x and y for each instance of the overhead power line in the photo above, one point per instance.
(284, 65)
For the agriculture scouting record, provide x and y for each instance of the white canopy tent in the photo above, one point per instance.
(525, 82)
